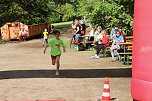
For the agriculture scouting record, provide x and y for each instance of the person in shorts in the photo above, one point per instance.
(55, 43)
(45, 37)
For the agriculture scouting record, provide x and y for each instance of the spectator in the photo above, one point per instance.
(115, 46)
(83, 27)
(77, 31)
(73, 26)
(52, 29)
(122, 33)
(97, 34)
(113, 30)
(102, 44)
(22, 34)
(91, 38)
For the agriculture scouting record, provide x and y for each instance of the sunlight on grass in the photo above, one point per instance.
(62, 24)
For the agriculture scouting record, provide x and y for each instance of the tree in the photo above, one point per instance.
(100, 12)
(107, 13)
(27, 11)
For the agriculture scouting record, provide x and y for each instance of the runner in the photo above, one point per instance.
(45, 37)
(55, 52)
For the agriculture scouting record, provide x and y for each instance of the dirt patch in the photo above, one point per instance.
(27, 74)
(31, 45)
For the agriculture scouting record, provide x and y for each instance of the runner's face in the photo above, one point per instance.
(57, 36)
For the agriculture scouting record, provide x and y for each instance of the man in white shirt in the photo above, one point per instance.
(22, 34)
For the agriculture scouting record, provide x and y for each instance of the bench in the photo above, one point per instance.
(87, 42)
(105, 50)
(129, 48)
(127, 55)
(129, 38)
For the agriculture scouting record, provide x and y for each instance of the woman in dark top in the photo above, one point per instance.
(83, 28)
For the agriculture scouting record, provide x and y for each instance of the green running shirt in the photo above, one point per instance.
(55, 45)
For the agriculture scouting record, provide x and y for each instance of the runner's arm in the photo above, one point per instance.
(64, 49)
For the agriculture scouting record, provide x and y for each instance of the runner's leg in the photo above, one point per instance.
(58, 62)
(53, 59)
(43, 41)
(58, 65)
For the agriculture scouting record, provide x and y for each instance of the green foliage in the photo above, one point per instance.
(27, 11)
(65, 12)
(108, 13)
(85, 7)
(62, 24)
(54, 18)
(100, 12)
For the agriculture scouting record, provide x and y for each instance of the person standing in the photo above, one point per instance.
(73, 26)
(85, 20)
(91, 38)
(83, 27)
(77, 31)
(55, 43)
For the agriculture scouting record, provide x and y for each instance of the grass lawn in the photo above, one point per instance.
(63, 27)
(62, 24)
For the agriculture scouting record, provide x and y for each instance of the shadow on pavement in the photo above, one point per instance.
(67, 73)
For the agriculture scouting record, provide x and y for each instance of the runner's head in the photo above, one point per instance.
(56, 33)
(45, 30)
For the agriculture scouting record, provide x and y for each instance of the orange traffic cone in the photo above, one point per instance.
(106, 90)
